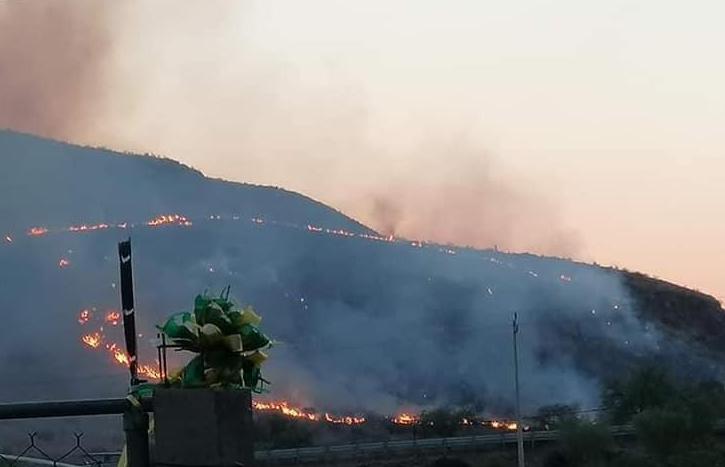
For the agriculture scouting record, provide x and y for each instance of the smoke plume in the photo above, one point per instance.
(194, 84)
(53, 61)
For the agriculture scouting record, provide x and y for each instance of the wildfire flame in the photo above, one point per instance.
(84, 316)
(504, 425)
(96, 339)
(37, 231)
(284, 408)
(113, 317)
(178, 219)
(169, 219)
(406, 419)
(92, 340)
(347, 420)
(87, 228)
(121, 357)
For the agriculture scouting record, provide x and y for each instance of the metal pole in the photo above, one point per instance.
(519, 428)
(127, 305)
(136, 426)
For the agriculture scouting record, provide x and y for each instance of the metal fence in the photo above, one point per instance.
(35, 454)
(135, 425)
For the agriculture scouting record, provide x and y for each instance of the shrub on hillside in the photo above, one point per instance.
(633, 459)
(585, 443)
(697, 458)
(556, 458)
(499, 459)
(647, 388)
(667, 431)
(449, 462)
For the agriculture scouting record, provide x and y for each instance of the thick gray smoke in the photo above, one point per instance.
(445, 339)
(383, 327)
(457, 193)
(189, 81)
(53, 58)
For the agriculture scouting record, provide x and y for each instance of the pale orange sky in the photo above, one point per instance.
(575, 127)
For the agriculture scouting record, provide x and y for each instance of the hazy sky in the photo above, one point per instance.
(584, 128)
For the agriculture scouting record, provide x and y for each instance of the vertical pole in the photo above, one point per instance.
(136, 426)
(127, 305)
(519, 428)
(163, 359)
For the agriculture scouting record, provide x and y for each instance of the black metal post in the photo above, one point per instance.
(136, 426)
(127, 305)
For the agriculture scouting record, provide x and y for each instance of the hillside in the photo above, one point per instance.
(59, 184)
(365, 323)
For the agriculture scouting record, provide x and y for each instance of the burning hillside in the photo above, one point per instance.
(368, 323)
(590, 301)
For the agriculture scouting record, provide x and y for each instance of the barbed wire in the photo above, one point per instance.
(35, 452)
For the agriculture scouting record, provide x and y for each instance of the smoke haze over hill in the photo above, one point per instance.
(54, 57)
(528, 128)
(365, 323)
(70, 80)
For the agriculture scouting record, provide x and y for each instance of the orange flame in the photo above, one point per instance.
(121, 357)
(170, 219)
(37, 231)
(149, 372)
(284, 408)
(92, 340)
(346, 420)
(113, 317)
(86, 228)
(511, 426)
(84, 316)
(406, 419)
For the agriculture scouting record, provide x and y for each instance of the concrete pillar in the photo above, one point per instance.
(203, 427)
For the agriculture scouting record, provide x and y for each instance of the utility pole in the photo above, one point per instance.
(519, 428)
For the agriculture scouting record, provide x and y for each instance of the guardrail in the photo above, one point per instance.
(394, 448)
(444, 445)
(52, 409)
(135, 425)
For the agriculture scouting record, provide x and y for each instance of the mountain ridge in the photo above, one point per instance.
(64, 167)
